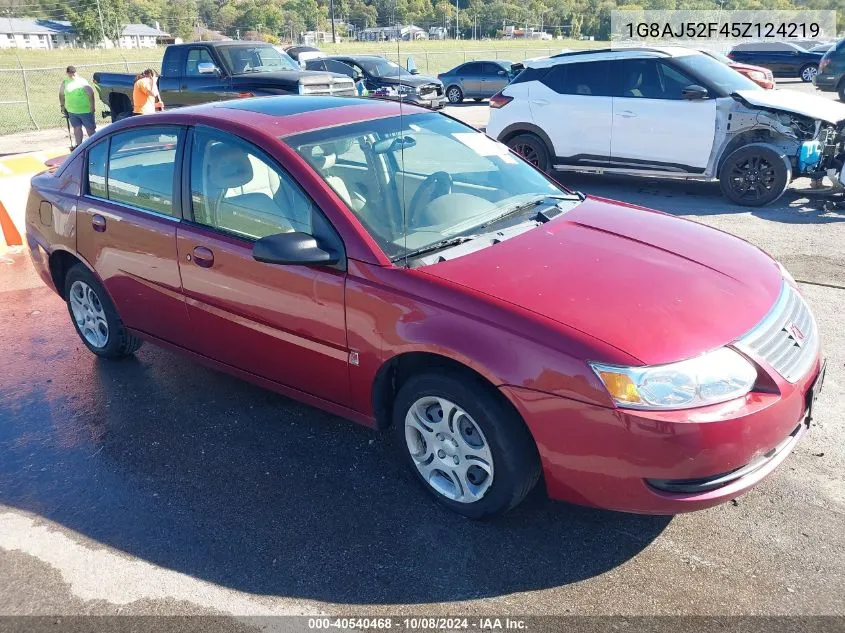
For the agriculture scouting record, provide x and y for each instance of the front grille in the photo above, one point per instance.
(786, 338)
(336, 88)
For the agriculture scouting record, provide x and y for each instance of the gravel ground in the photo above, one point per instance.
(156, 486)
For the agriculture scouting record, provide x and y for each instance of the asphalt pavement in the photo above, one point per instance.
(156, 486)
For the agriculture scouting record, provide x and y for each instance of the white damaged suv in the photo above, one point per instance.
(669, 112)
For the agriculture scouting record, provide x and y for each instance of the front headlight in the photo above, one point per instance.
(715, 377)
(756, 75)
(785, 273)
(406, 90)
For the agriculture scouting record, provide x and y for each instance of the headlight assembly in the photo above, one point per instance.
(719, 376)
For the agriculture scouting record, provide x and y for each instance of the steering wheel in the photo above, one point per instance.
(437, 184)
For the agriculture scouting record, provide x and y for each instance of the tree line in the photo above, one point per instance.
(285, 20)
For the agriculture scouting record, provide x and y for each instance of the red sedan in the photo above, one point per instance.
(401, 269)
(763, 77)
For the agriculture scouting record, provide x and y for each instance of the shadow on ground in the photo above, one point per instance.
(206, 475)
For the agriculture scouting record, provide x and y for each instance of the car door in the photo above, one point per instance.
(472, 79)
(653, 126)
(495, 79)
(283, 323)
(197, 87)
(573, 106)
(126, 226)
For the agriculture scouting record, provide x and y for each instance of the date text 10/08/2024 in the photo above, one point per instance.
(419, 624)
(734, 30)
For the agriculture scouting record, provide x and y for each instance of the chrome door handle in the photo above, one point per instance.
(540, 102)
(203, 257)
(98, 222)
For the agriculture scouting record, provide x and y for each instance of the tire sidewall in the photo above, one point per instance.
(783, 170)
(114, 346)
(492, 418)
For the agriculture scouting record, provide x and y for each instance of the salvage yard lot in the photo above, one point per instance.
(157, 486)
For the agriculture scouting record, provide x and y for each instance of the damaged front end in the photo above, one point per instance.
(811, 145)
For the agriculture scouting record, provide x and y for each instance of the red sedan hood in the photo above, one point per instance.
(660, 288)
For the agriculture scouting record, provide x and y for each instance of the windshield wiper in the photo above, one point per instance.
(437, 246)
(529, 205)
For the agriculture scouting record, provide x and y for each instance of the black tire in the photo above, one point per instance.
(478, 99)
(454, 94)
(532, 149)
(808, 73)
(755, 175)
(118, 342)
(515, 461)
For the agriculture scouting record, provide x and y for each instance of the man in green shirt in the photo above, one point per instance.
(76, 97)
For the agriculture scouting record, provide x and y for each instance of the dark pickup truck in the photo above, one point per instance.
(213, 71)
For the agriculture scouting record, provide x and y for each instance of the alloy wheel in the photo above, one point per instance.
(809, 73)
(89, 314)
(449, 449)
(454, 95)
(753, 178)
(528, 152)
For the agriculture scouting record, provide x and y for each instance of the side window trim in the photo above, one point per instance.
(187, 189)
(177, 173)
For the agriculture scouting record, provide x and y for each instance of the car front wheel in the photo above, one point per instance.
(95, 318)
(454, 94)
(809, 72)
(469, 449)
(755, 175)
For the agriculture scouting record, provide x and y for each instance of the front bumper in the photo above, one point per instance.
(612, 458)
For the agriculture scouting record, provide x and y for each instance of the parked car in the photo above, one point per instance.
(784, 59)
(761, 76)
(385, 79)
(301, 54)
(822, 48)
(655, 111)
(832, 70)
(477, 80)
(199, 72)
(498, 324)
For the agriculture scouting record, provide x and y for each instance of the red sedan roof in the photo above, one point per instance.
(295, 114)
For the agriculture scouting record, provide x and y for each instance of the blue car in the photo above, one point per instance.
(784, 59)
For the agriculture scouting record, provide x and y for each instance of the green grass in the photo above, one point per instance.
(45, 69)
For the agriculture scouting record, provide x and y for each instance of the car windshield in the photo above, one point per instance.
(418, 180)
(257, 59)
(726, 79)
(380, 67)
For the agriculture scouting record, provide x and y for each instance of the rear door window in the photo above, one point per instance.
(142, 168)
(580, 78)
(97, 169)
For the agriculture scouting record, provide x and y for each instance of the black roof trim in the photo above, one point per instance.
(590, 51)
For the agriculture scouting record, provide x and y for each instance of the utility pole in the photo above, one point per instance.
(102, 26)
(457, 19)
(331, 10)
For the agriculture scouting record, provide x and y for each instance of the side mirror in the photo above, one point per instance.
(207, 68)
(414, 71)
(411, 66)
(502, 73)
(694, 93)
(357, 76)
(292, 248)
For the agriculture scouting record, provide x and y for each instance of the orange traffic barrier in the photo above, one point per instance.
(10, 234)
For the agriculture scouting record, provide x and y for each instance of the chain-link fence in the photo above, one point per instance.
(29, 97)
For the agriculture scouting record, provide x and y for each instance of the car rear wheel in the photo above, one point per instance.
(532, 149)
(809, 72)
(95, 318)
(755, 175)
(467, 447)
(454, 94)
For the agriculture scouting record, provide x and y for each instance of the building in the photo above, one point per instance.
(438, 33)
(35, 34)
(392, 33)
